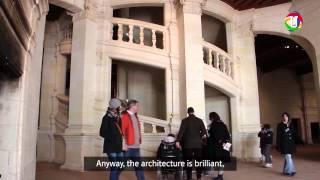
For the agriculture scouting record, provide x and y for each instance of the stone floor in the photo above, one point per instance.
(307, 162)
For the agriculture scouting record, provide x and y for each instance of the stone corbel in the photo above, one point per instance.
(89, 12)
(193, 6)
(42, 6)
(244, 24)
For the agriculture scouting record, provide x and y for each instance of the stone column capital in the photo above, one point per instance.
(193, 6)
(203, 2)
(42, 6)
(90, 12)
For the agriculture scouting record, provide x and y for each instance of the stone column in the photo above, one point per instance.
(81, 131)
(104, 62)
(22, 162)
(193, 63)
(246, 106)
(172, 72)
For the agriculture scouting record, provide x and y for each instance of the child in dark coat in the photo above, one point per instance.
(266, 141)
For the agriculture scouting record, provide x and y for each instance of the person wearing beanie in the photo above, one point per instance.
(110, 130)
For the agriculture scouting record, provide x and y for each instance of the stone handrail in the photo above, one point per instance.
(136, 32)
(62, 116)
(154, 123)
(67, 33)
(61, 119)
(218, 59)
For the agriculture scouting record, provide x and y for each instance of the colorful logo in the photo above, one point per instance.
(293, 21)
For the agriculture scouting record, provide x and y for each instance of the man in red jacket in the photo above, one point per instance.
(130, 126)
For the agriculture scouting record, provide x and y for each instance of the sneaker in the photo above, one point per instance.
(219, 177)
(293, 173)
(290, 174)
(268, 165)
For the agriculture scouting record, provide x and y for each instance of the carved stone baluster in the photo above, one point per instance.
(120, 32)
(154, 38)
(225, 64)
(216, 60)
(154, 129)
(229, 67)
(130, 33)
(141, 35)
(166, 130)
(209, 56)
(111, 30)
(232, 70)
(142, 127)
(204, 49)
(164, 40)
(222, 63)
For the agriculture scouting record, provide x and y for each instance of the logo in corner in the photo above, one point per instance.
(293, 21)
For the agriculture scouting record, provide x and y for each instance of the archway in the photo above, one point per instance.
(286, 83)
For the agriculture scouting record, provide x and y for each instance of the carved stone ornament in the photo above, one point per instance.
(89, 12)
(42, 6)
(193, 6)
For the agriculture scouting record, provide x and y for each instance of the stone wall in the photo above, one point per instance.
(280, 91)
(146, 85)
(219, 103)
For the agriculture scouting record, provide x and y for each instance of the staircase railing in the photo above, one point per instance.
(151, 125)
(139, 33)
(218, 59)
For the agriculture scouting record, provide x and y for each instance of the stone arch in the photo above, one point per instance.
(228, 89)
(310, 50)
(73, 6)
(307, 46)
(219, 10)
(133, 3)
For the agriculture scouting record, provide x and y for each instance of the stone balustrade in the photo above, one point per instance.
(62, 116)
(67, 33)
(66, 41)
(139, 33)
(151, 125)
(218, 59)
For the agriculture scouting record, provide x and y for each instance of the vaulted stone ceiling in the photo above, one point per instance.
(275, 52)
(247, 4)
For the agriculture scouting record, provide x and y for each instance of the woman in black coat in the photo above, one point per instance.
(286, 144)
(218, 135)
(111, 132)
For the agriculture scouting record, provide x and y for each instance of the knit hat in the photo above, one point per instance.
(114, 103)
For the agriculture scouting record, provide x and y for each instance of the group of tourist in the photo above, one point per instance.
(121, 131)
(285, 144)
(122, 135)
(197, 143)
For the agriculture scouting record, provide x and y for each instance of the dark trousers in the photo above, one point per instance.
(134, 155)
(189, 155)
(115, 172)
(266, 151)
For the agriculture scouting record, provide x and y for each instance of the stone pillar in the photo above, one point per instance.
(172, 72)
(79, 136)
(245, 108)
(104, 62)
(193, 63)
